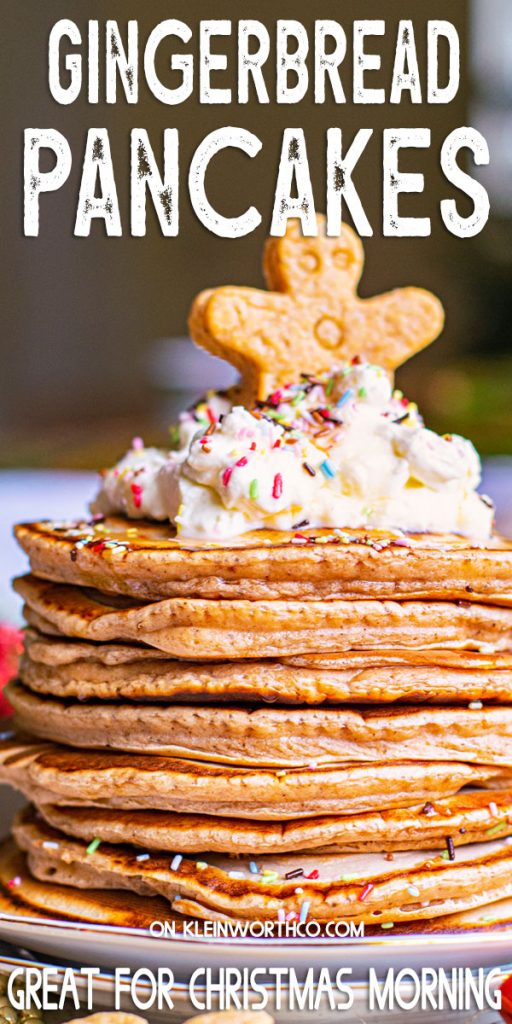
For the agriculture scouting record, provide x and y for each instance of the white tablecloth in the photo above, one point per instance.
(34, 494)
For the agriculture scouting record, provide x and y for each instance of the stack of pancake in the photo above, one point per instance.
(287, 727)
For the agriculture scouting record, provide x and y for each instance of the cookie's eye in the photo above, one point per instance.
(342, 258)
(310, 262)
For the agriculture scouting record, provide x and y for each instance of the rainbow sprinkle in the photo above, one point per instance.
(496, 829)
(277, 487)
(327, 469)
(346, 396)
(368, 888)
(269, 876)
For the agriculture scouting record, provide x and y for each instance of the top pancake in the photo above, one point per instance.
(148, 561)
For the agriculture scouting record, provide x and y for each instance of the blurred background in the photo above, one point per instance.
(92, 341)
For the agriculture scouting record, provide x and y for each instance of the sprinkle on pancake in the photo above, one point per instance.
(469, 817)
(332, 887)
(151, 563)
(43, 900)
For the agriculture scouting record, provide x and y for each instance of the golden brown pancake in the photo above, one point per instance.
(378, 788)
(359, 887)
(272, 736)
(148, 561)
(196, 628)
(85, 670)
(22, 895)
(47, 773)
(469, 817)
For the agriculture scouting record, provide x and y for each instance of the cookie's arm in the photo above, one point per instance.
(388, 329)
(246, 327)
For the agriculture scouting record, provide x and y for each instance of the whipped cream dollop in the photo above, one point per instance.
(339, 451)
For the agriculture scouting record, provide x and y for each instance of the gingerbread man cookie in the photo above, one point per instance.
(311, 319)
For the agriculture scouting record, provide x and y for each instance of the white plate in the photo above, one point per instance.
(103, 988)
(109, 946)
(103, 999)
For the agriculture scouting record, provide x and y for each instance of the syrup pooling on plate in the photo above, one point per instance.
(343, 450)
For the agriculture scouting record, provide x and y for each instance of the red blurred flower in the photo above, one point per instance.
(506, 1000)
(10, 650)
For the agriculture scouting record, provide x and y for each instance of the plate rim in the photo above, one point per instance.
(106, 977)
(467, 938)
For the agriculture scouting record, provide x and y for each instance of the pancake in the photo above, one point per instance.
(87, 671)
(57, 649)
(272, 736)
(358, 887)
(42, 900)
(46, 773)
(148, 561)
(469, 817)
(196, 628)
(24, 896)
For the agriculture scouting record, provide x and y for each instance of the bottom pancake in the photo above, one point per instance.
(47, 773)
(469, 817)
(23, 895)
(366, 888)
